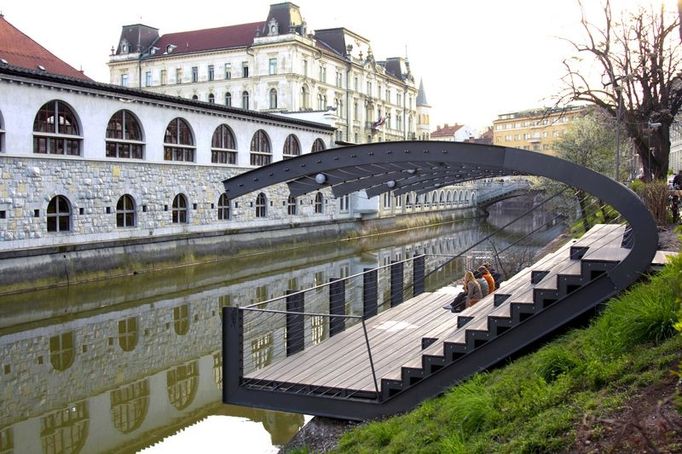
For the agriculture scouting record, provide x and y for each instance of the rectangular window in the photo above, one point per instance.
(228, 71)
(356, 83)
(344, 203)
(211, 72)
(178, 75)
(148, 79)
(272, 66)
(369, 88)
(305, 68)
(124, 80)
(245, 69)
(195, 74)
(163, 77)
(339, 79)
(323, 73)
(399, 99)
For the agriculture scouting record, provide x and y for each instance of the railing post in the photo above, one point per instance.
(396, 283)
(418, 271)
(294, 322)
(337, 306)
(369, 293)
(233, 362)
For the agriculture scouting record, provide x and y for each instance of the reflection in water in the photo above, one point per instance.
(132, 361)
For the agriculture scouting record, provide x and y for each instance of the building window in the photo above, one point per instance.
(182, 384)
(65, 430)
(291, 205)
(124, 80)
(228, 99)
(305, 97)
(59, 214)
(178, 75)
(163, 77)
(245, 100)
(261, 205)
(127, 334)
(223, 148)
(318, 145)
(272, 66)
(260, 149)
(291, 147)
(181, 319)
(62, 351)
(228, 71)
(245, 69)
(148, 79)
(339, 79)
(323, 73)
(129, 405)
(387, 200)
(223, 208)
(56, 130)
(211, 72)
(261, 351)
(178, 143)
(273, 98)
(344, 203)
(179, 212)
(195, 74)
(305, 68)
(319, 205)
(124, 136)
(320, 102)
(195, 98)
(125, 211)
(211, 98)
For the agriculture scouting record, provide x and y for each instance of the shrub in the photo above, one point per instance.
(553, 361)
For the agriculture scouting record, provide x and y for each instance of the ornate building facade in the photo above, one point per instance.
(277, 66)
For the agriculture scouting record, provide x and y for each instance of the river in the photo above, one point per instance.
(134, 364)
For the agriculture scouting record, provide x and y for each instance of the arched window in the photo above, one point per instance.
(62, 351)
(124, 136)
(181, 319)
(319, 206)
(127, 334)
(291, 147)
(291, 205)
(56, 130)
(273, 98)
(178, 142)
(195, 98)
(442, 198)
(211, 98)
(261, 205)
(59, 214)
(129, 405)
(318, 145)
(245, 100)
(125, 211)
(260, 149)
(305, 98)
(65, 430)
(434, 199)
(182, 383)
(320, 102)
(228, 99)
(223, 148)
(223, 207)
(408, 200)
(179, 209)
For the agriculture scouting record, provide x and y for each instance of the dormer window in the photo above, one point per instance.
(273, 27)
(170, 48)
(125, 47)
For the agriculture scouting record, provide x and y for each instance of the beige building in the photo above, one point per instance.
(535, 130)
(279, 66)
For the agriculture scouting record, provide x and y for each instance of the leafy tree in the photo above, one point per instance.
(639, 61)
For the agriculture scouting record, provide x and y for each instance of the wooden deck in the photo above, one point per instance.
(396, 335)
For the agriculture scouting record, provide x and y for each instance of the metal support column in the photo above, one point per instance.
(397, 269)
(295, 323)
(369, 293)
(337, 306)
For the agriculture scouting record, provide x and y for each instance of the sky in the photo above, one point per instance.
(477, 58)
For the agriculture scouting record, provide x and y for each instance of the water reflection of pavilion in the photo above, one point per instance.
(122, 376)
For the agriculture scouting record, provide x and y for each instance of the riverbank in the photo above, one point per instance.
(609, 387)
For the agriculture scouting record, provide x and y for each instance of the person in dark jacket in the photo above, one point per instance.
(497, 277)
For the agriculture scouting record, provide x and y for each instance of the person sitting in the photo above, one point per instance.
(488, 278)
(485, 289)
(677, 181)
(497, 277)
(472, 288)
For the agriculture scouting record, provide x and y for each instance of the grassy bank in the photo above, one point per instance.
(536, 403)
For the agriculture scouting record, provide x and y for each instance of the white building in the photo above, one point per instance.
(277, 66)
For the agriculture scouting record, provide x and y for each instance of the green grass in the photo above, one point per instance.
(534, 404)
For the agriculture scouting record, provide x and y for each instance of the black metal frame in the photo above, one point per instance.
(538, 320)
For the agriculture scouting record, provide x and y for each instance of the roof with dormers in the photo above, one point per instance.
(17, 49)
(232, 36)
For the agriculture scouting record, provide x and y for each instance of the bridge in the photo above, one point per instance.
(492, 192)
(340, 363)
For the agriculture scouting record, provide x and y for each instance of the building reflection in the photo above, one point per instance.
(123, 376)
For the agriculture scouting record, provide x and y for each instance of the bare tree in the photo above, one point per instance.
(640, 60)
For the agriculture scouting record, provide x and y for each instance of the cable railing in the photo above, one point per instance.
(276, 333)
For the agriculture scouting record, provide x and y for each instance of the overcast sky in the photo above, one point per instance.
(478, 58)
